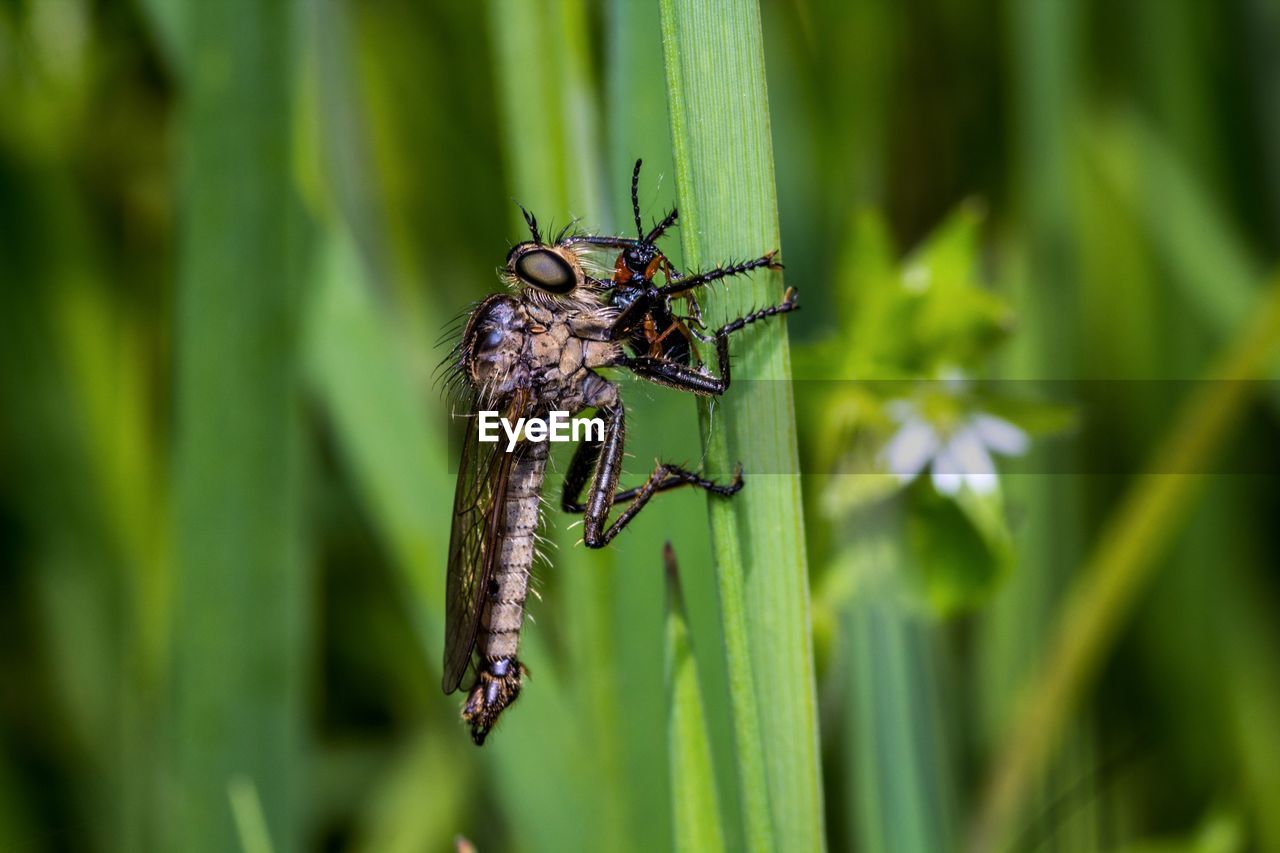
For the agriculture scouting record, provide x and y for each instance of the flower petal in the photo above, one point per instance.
(902, 410)
(947, 482)
(1000, 435)
(910, 449)
(970, 454)
(983, 484)
(916, 278)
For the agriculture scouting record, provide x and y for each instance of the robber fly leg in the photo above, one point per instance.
(684, 285)
(585, 457)
(607, 459)
(787, 305)
(676, 476)
(604, 482)
(603, 241)
(575, 479)
(664, 477)
(695, 312)
(682, 377)
(584, 463)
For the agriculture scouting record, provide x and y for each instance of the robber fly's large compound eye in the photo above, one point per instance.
(544, 269)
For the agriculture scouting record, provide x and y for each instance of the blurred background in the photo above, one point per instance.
(231, 236)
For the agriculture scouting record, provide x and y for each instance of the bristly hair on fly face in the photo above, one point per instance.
(448, 377)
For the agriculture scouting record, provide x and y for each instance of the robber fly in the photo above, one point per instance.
(528, 353)
(645, 308)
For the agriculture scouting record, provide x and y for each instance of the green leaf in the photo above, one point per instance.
(958, 320)
(243, 589)
(926, 315)
(398, 457)
(960, 545)
(901, 794)
(1035, 417)
(695, 805)
(719, 109)
(1122, 564)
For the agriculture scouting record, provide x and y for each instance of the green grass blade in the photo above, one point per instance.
(167, 19)
(724, 174)
(895, 753)
(694, 802)
(409, 809)
(1212, 268)
(1120, 567)
(1253, 692)
(246, 808)
(398, 457)
(239, 634)
(660, 424)
(1043, 276)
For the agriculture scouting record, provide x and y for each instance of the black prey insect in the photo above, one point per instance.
(526, 354)
(645, 306)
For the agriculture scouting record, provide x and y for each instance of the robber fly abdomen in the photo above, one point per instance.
(498, 636)
(500, 623)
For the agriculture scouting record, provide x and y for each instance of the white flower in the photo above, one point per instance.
(916, 278)
(957, 456)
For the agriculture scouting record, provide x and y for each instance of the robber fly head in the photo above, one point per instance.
(551, 268)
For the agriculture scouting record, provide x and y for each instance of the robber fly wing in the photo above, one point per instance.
(475, 545)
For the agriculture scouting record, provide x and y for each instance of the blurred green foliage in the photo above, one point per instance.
(230, 239)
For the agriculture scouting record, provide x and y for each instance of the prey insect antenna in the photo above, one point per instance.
(635, 197)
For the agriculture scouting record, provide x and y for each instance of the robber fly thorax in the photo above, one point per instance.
(542, 341)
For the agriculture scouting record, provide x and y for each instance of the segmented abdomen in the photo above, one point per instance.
(509, 586)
